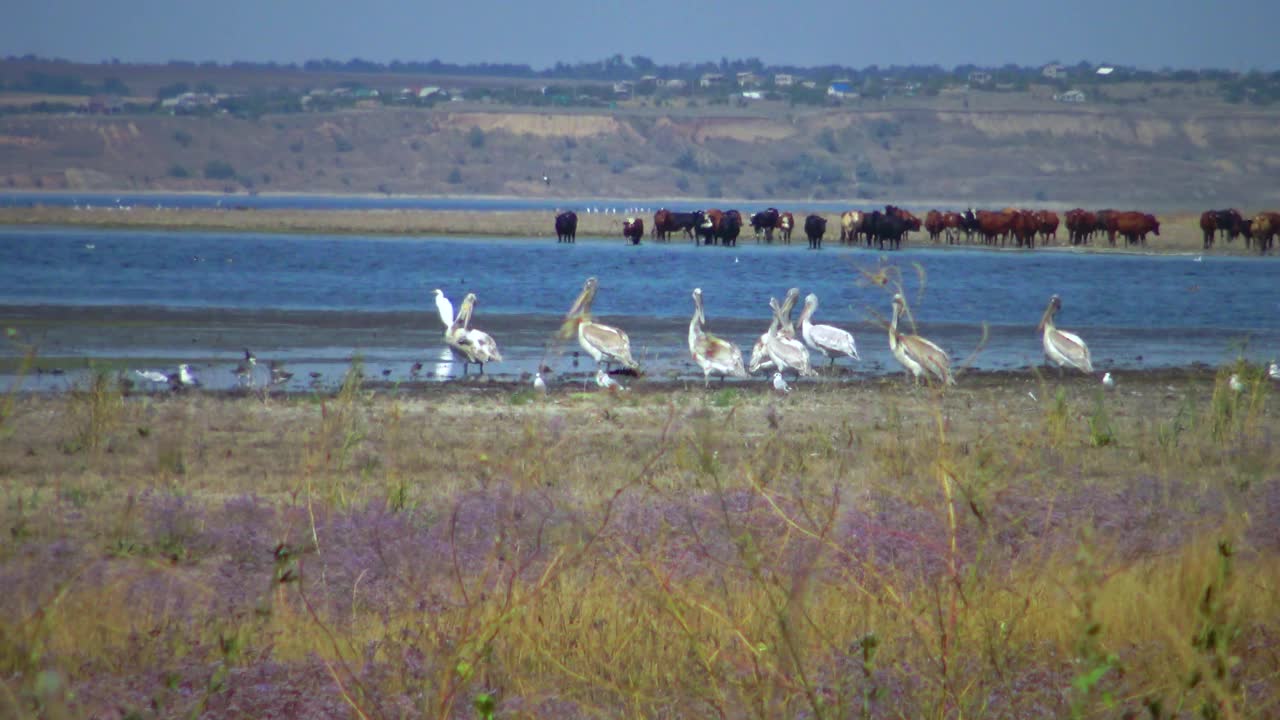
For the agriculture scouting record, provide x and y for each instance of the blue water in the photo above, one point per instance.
(317, 300)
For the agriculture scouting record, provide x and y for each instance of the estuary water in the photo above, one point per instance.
(314, 302)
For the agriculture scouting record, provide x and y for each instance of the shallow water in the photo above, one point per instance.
(316, 301)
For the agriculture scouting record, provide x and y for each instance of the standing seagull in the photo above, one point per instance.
(1108, 382)
(780, 383)
(919, 356)
(1061, 347)
(607, 383)
(183, 379)
(828, 340)
(468, 344)
(1273, 371)
(604, 343)
(710, 352)
(784, 350)
(539, 384)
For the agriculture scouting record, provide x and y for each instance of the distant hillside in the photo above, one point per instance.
(979, 149)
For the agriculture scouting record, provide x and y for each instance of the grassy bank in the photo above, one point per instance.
(868, 551)
(1179, 233)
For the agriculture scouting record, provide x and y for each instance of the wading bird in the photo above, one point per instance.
(604, 343)
(760, 359)
(1061, 347)
(444, 307)
(826, 339)
(784, 350)
(780, 383)
(468, 344)
(919, 356)
(1108, 382)
(244, 371)
(712, 354)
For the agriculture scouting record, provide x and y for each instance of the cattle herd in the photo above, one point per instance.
(888, 228)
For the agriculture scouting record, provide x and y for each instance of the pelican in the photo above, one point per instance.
(919, 356)
(444, 307)
(760, 359)
(603, 343)
(828, 340)
(1108, 382)
(468, 344)
(710, 352)
(1237, 385)
(780, 384)
(785, 351)
(1061, 347)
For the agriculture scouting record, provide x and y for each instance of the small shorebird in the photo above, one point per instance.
(780, 384)
(919, 356)
(712, 354)
(539, 384)
(1061, 347)
(415, 370)
(604, 343)
(1236, 384)
(829, 340)
(605, 382)
(1108, 382)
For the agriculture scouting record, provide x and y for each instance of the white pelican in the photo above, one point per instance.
(604, 343)
(710, 352)
(780, 383)
(1237, 386)
(469, 344)
(785, 351)
(919, 356)
(444, 307)
(1108, 382)
(828, 340)
(760, 359)
(1061, 347)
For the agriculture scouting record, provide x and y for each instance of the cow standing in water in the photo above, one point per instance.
(764, 222)
(633, 229)
(567, 227)
(815, 226)
(730, 227)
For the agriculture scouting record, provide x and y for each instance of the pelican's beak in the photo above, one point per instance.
(572, 318)
(1044, 318)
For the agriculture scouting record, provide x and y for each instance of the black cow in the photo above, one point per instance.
(567, 227)
(765, 220)
(730, 228)
(686, 221)
(815, 226)
(884, 228)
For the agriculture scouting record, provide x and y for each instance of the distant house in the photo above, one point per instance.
(1105, 70)
(748, 79)
(810, 84)
(676, 84)
(978, 77)
(1053, 71)
(784, 80)
(623, 88)
(710, 80)
(428, 91)
(840, 90)
(1070, 96)
(752, 95)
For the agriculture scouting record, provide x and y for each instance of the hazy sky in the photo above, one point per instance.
(1231, 34)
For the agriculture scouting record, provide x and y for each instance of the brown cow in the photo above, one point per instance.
(994, 225)
(952, 224)
(786, 222)
(1208, 227)
(1048, 220)
(1081, 225)
(709, 229)
(1264, 227)
(633, 229)
(1134, 226)
(1024, 226)
(934, 225)
(662, 226)
(850, 226)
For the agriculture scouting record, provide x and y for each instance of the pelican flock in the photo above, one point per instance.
(604, 343)
(920, 357)
(784, 350)
(1061, 347)
(712, 354)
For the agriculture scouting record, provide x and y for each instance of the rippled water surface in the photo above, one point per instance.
(315, 301)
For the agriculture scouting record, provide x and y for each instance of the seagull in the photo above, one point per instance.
(780, 384)
(1236, 384)
(603, 343)
(919, 356)
(1199, 258)
(1273, 372)
(184, 378)
(605, 382)
(713, 354)
(154, 376)
(1061, 347)
(279, 375)
(826, 339)
(1108, 382)
(539, 384)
